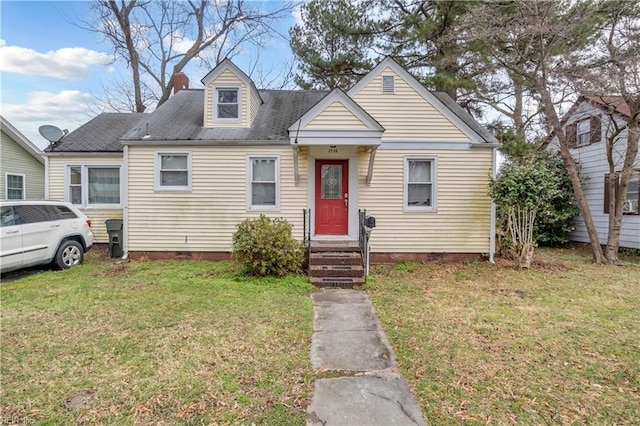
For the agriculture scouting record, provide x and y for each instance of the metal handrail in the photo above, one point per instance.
(363, 240)
(306, 230)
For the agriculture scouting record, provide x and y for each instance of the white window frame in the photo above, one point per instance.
(260, 207)
(84, 185)
(588, 132)
(215, 103)
(157, 169)
(24, 185)
(434, 164)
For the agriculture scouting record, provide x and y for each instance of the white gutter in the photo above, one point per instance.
(492, 236)
(46, 178)
(125, 206)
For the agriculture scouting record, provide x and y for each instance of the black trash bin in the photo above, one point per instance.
(114, 229)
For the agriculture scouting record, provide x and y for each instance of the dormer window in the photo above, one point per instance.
(227, 102)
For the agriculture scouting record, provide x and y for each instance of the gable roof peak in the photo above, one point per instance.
(227, 64)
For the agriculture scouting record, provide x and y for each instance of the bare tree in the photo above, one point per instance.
(554, 43)
(159, 38)
(613, 68)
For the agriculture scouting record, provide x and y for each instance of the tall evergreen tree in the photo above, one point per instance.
(333, 45)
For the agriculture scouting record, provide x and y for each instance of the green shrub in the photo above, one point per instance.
(266, 247)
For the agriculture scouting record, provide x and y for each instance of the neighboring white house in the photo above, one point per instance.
(21, 166)
(184, 176)
(587, 125)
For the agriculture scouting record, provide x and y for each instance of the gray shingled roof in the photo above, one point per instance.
(465, 117)
(182, 118)
(101, 134)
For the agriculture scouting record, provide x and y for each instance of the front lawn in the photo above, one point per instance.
(181, 342)
(155, 342)
(559, 344)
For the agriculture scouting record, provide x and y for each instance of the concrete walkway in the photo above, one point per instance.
(347, 337)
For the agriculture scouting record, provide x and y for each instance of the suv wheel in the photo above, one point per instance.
(70, 253)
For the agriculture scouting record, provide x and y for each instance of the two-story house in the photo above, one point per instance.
(588, 125)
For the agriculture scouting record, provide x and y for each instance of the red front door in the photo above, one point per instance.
(332, 197)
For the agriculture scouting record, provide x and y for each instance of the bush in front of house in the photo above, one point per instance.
(266, 247)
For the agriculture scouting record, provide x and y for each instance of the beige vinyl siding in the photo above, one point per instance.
(226, 79)
(254, 105)
(15, 160)
(205, 218)
(336, 116)
(57, 171)
(405, 114)
(461, 222)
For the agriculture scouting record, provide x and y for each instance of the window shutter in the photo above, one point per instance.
(571, 131)
(596, 129)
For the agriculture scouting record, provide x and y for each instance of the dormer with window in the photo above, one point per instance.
(231, 99)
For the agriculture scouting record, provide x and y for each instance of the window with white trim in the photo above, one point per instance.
(89, 185)
(583, 133)
(173, 171)
(263, 182)
(15, 186)
(227, 103)
(419, 188)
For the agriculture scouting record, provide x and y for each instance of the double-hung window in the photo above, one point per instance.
(15, 186)
(419, 188)
(263, 183)
(227, 106)
(173, 171)
(93, 185)
(583, 134)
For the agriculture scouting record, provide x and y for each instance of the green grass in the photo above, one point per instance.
(558, 344)
(182, 342)
(177, 342)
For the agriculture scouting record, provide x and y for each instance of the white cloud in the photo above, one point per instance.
(67, 109)
(297, 15)
(67, 63)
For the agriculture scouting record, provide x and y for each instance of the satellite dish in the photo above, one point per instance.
(51, 133)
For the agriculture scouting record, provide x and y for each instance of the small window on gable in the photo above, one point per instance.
(388, 84)
(227, 104)
(583, 133)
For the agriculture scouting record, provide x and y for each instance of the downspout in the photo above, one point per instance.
(372, 157)
(125, 200)
(46, 177)
(296, 168)
(492, 235)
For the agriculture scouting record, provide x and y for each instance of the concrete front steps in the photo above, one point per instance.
(335, 264)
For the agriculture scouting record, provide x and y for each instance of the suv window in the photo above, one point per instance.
(31, 214)
(61, 212)
(7, 217)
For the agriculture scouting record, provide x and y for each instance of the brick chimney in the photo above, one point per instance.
(180, 81)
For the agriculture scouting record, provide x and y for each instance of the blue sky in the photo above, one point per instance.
(51, 71)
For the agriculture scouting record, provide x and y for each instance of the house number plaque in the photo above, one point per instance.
(332, 150)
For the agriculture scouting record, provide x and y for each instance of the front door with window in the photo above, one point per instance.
(332, 197)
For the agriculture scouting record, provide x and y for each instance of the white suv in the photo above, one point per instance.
(42, 232)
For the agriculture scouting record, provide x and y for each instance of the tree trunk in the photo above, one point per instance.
(572, 170)
(617, 198)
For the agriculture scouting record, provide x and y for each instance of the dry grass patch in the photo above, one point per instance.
(558, 344)
(153, 343)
